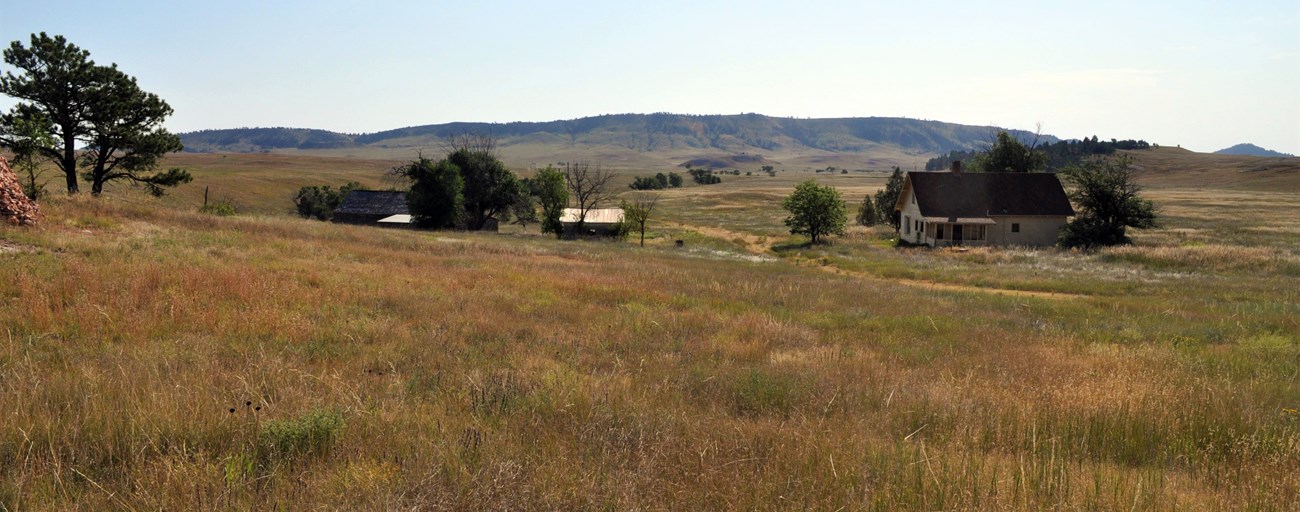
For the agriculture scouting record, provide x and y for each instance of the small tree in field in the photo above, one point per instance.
(1108, 203)
(674, 180)
(867, 213)
(888, 197)
(29, 139)
(637, 212)
(815, 210)
(549, 187)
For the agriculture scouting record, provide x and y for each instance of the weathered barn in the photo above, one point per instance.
(599, 221)
(371, 207)
(956, 208)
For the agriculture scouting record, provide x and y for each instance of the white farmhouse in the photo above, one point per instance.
(998, 208)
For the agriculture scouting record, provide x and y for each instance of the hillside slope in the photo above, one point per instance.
(1179, 168)
(632, 138)
(1247, 149)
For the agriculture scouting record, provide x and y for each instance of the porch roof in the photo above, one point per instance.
(959, 220)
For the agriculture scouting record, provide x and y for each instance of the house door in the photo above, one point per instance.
(956, 234)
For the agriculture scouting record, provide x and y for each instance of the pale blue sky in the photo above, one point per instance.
(1201, 74)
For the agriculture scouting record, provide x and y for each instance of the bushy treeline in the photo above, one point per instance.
(703, 176)
(659, 181)
(266, 138)
(1058, 155)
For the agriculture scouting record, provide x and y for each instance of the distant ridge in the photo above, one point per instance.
(743, 133)
(1252, 150)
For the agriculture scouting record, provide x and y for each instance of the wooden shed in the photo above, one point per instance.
(372, 207)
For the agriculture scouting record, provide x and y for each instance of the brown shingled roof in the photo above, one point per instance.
(373, 202)
(949, 195)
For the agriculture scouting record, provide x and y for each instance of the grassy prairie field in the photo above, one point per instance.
(152, 357)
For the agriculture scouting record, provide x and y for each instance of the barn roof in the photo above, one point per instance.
(594, 215)
(951, 195)
(373, 202)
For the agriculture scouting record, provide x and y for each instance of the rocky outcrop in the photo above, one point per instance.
(15, 207)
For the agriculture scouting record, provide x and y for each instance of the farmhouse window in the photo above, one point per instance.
(1015, 227)
(907, 225)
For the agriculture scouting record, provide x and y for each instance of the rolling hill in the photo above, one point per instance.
(1247, 149)
(640, 140)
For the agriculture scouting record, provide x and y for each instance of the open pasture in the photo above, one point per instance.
(372, 368)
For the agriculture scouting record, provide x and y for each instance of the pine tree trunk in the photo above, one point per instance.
(70, 162)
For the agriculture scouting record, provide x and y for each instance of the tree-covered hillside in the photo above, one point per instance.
(641, 132)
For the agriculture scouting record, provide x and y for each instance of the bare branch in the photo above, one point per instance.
(588, 186)
(639, 210)
(471, 142)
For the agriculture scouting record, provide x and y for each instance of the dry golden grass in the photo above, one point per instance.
(1179, 168)
(379, 369)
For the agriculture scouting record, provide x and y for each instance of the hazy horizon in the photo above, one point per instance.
(1200, 75)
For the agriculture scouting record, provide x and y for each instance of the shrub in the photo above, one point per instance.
(647, 183)
(310, 434)
(319, 202)
(222, 208)
(756, 393)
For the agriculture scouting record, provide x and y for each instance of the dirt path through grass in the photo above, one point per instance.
(763, 246)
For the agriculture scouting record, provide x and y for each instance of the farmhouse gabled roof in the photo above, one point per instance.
(373, 202)
(952, 195)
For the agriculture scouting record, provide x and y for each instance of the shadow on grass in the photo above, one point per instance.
(782, 248)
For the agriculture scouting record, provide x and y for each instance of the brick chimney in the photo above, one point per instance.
(956, 166)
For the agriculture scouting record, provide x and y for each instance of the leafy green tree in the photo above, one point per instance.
(127, 139)
(886, 199)
(868, 214)
(435, 199)
(28, 142)
(704, 176)
(647, 183)
(662, 179)
(319, 202)
(815, 210)
(1009, 155)
(489, 187)
(55, 76)
(524, 210)
(553, 194)
(1108, 202)
(76, 101)
(674, 180)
